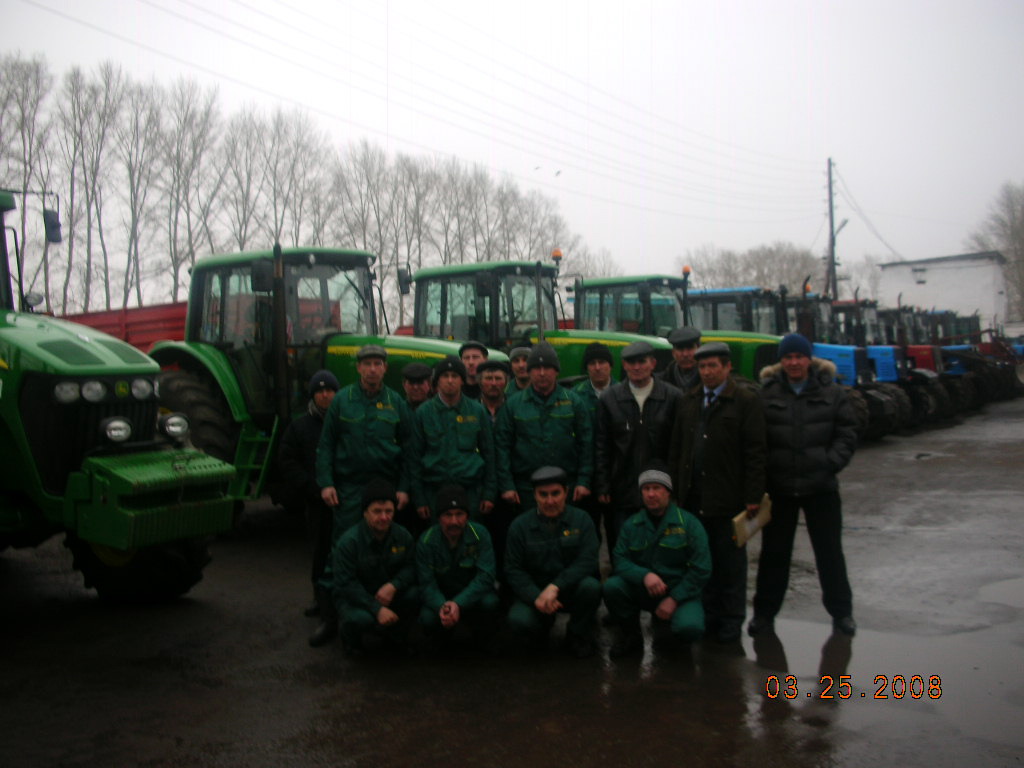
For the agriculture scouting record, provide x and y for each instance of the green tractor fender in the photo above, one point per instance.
(206, 361)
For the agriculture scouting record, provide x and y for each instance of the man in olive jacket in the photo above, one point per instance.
(811, 438)
(717, 460)
(662, 563)
(543, 425)
(551, 566)
(367, 433)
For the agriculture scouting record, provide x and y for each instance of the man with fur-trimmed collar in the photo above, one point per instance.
(811, 427)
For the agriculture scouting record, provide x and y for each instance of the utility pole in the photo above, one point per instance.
(832, 285)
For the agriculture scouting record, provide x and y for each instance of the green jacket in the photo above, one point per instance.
(534, 432)
(463, 575)
(562, 552)
(363, 437)
(452, 444)
(361, 565)
(676, 550)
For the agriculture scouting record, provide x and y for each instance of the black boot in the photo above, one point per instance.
(327, 630)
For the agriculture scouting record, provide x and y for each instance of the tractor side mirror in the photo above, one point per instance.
(262, 279)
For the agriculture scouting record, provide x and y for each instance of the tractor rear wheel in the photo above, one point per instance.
(149, 574)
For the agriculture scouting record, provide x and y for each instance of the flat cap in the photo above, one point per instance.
(543, 355)
(637, 349)
(546, 475)
(474, 345)
(684, 337)
(416, 372)
(519, 352)
(372, 350)
(713, 348)
(492, 365)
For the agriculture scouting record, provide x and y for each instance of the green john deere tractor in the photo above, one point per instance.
(84, 450)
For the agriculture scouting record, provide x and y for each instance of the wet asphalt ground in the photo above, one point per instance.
(224, 677)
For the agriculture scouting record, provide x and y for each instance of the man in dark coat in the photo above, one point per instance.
(717, 460)
(811, 438)
(298, 465)
(634, 426)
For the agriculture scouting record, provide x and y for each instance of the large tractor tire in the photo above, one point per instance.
(945, 408)
(904, 408)
(861, 409)
(959, 396)
(923, 401)
(213, 431)
(150, 574)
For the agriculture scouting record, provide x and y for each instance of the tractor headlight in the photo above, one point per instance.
(142, 389)
(174, 425)
(116, 429)
(66, 392)
(94, 391)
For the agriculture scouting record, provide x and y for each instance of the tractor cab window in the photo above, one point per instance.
(233, 314)
(764, 316)
(323, 298)
(730, 317)
(519, 313)
(455, 310)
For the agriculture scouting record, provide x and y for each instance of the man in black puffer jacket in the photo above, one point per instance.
(297, 459)
(812, 435)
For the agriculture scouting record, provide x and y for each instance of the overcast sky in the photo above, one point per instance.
(659, 126)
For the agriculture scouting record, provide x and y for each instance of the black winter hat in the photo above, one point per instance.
(597, 351)
(322, 380)
(451, 497)
(379, 489)
(543, 355)
(450, 363)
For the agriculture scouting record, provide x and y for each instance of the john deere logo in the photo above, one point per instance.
(122, 389)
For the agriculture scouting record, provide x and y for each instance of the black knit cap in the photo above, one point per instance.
(450, 363)
(322, 380)
(597, 351)
(543, 355)
(451, 497)
(379, 489)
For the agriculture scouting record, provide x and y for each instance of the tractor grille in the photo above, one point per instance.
(62, 435)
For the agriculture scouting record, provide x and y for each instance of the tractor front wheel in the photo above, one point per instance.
(145, 575)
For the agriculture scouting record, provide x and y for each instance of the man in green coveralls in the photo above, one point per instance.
(374, 573)
(543, 425)
(367, 432)
(662, 563)
(452, 443)
(551, 564)
(456, 571)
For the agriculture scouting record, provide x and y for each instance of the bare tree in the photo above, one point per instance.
(449, 231)
(244, 175)
(71, 115)
(25, 86)
(104, 95)
(1003, 231)
(138, 138)
(192, 179)
(767, 266)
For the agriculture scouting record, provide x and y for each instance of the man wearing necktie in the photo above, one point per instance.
(717, 461)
